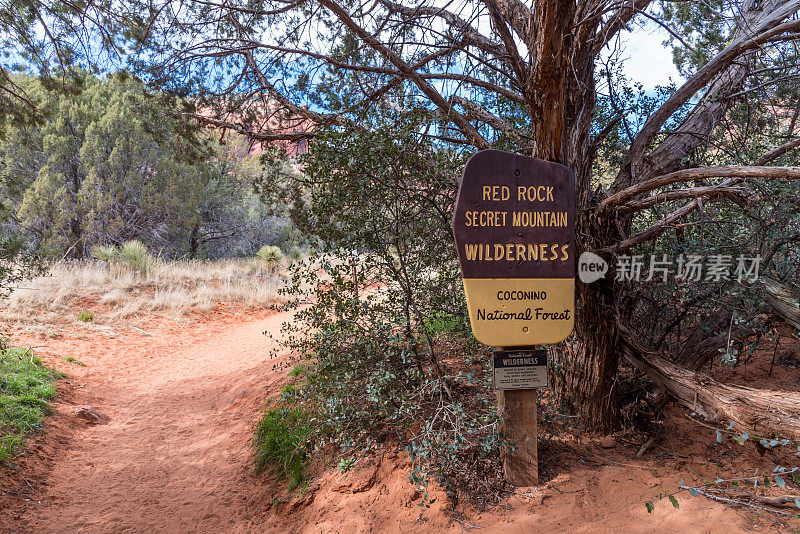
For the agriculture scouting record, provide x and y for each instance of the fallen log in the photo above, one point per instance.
(761, 412)
(783, 301)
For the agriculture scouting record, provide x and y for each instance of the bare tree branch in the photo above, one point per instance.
(778, 152)
(466, 128)
(752, 34)
(687, 175)
(258, 135)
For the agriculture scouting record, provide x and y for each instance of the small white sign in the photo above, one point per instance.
(524, 369)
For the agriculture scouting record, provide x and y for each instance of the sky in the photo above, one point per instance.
(649, 61)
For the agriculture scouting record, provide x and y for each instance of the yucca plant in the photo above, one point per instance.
(104, 252)
(135, 256)
(269, 256)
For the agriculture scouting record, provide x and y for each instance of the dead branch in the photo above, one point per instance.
(782, 299)
(701, 173)
(760, 411)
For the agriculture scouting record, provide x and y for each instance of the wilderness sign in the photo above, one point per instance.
(514, 228)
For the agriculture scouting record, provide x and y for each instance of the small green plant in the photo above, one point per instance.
(270, 256)
(346, 464)
(135, 256)
(288, 391)
(85, 316)
(104, 252)
(280, 442)
(298, 370)
(441, 323)
(26, 387)
(72, 359)
(295, 252)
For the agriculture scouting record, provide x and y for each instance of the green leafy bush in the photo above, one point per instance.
(387, 351)
(26, 387)
(280, 442)
(86, 316)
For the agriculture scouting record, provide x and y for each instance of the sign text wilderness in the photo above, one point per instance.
(513, 225)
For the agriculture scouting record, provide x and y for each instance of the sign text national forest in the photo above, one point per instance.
(514, 228)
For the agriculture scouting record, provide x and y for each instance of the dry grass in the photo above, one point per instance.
(171, 288)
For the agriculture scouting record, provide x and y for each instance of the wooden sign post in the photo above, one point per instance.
(514, 228)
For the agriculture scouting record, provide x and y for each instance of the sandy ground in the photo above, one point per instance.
(174, 457)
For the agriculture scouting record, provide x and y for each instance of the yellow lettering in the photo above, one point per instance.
(520, 193)
(510, 252)
(543, 251)
(499, 251)
(521, 252)
(472, 251)
(553, 252)
(564, 255)
(487, 192)
(550, 193)
(533, 252)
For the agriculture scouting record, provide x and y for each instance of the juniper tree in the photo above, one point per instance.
(531, 77)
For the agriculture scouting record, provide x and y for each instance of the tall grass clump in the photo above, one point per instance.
(26, 387)
(135, 256)
(280, 442)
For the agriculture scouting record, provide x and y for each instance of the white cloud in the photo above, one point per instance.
(646, 59)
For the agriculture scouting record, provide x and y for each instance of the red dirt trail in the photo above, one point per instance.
(175, 457)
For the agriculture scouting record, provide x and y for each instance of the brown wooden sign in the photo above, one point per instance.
(514, 228)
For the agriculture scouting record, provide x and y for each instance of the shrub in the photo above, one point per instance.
(135, 256)
(86, 316)
(295, 252)
(104, 252)
(385, 330)
(270, 256)
(280, 442)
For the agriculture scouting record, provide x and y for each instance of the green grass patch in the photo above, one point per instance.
(298, 370)
(26, 387)
(76, 361)
(280, 443)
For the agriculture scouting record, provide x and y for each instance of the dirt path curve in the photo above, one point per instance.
(174, 456)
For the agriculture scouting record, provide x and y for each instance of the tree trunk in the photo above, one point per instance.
(563, 88)
(583, 373)
(781, 299)
(193, 242)
(761, 412)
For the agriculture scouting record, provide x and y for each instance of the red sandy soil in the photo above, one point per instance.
(182, 397)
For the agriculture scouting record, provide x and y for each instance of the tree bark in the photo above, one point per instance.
(583, 372)
(782, 301)
(761, 412)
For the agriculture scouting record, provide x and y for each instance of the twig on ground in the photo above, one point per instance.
(644, 447)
